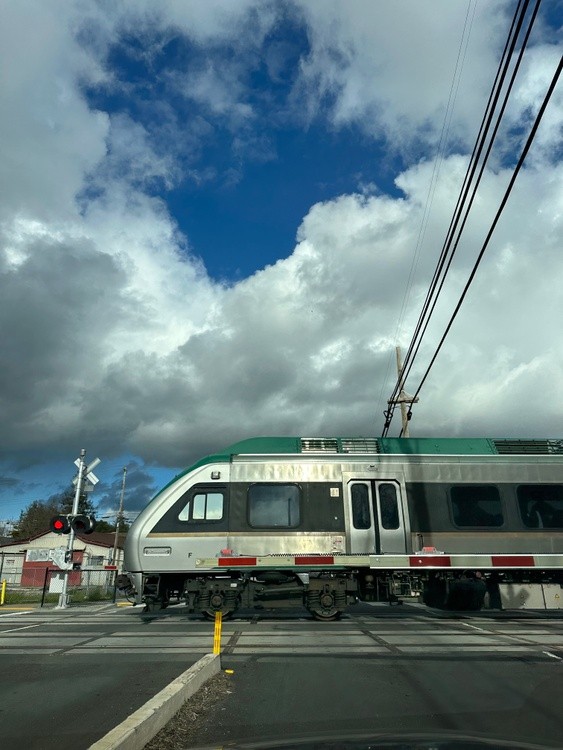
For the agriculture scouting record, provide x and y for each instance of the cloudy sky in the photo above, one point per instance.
(210, 212)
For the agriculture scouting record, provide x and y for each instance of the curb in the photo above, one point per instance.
(138, 729)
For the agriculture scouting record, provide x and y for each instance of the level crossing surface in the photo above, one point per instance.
(71, 675)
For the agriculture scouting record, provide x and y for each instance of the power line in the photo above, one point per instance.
(432, 294)
(468, 190)
(478, 180)
(442, 142)
(521, 160)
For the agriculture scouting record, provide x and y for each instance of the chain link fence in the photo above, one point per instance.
(42, 583)
(85, 585)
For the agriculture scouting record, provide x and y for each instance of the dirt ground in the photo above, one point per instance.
(183, 729)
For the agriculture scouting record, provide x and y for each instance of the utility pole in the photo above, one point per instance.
(119, 516)
(403, 398)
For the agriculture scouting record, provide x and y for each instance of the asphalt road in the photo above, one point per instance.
(68, 677)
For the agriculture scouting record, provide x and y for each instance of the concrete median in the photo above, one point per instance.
(138, 729)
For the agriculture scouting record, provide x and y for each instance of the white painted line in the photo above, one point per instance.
(15, 614)
(474, 627)
(139, 728)
(24, 627)
(553, 656)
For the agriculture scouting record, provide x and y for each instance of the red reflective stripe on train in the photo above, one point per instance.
(232, 562)
(314, 560)
(430, 561)
(512, 561)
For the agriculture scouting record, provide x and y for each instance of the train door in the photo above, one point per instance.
(375, 520)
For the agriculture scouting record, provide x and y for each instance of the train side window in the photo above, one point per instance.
(476, 505)
(541, 505)
(360, 506)
(204, 506)
(274, 505)
(388, 506)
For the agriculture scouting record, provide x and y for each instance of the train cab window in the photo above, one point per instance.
(360, 506)
(204, 506)
(476, 505)
(541, 505)
(388, 506)
(274, 505)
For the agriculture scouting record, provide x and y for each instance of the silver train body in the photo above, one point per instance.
(347, 497)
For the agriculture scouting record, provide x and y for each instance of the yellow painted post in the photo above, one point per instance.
(217, 633)
(3, 592)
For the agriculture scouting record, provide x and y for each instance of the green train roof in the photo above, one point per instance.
(394, 446)
(370, 445)
(390, 446)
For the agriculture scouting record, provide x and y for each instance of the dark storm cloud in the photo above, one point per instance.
(9, 482)
(57, 304)
(140, 487)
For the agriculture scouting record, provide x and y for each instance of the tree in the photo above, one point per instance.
(35, 518)
(104, 527)
(66, 501)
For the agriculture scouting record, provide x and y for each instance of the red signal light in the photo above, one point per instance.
(60, 525)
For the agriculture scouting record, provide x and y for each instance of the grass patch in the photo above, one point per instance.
(76, 596)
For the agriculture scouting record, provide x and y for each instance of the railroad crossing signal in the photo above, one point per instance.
(60, 525)
(89, 479)
(79, 524)
(83, 524)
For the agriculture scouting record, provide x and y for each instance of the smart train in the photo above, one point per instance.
(326, 522)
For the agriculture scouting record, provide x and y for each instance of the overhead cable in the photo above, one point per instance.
(521, 160)
(441, 269)
(468, 190)
(454, 87)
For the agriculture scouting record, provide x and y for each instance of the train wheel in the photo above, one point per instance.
(219, 601)
(324, 615)
(209, 614)
(324, 605)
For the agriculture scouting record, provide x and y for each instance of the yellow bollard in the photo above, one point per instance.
(217, 633)
(3, 592)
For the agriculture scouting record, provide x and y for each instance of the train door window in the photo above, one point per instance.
(274, 505)
(388, 506)
(360, 506)
(541, 505)
(204, 506)
(476, 505)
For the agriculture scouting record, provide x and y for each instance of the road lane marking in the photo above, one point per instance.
(25, 627)
(474, 627)
(15, 614)
(553, 656)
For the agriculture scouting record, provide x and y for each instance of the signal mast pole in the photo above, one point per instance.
(119, 516)
(81, 465)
